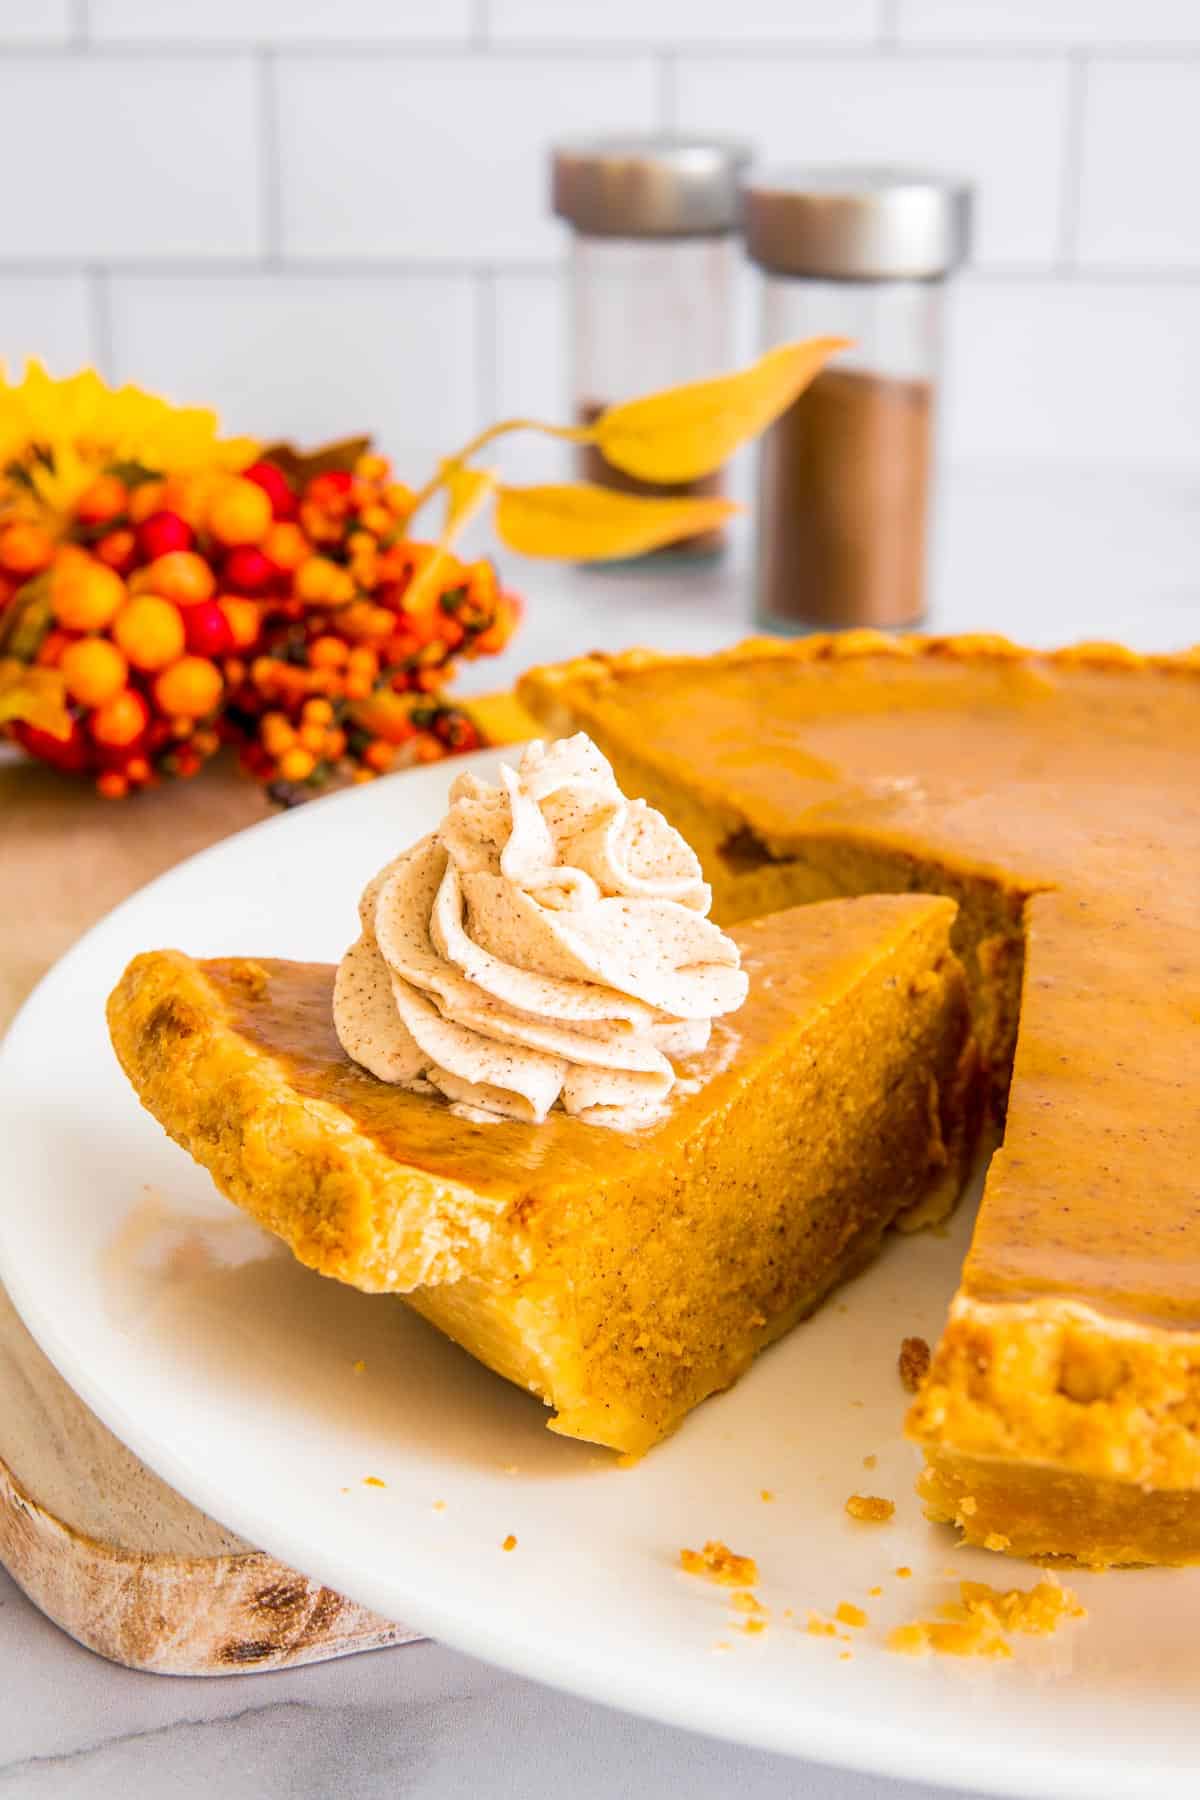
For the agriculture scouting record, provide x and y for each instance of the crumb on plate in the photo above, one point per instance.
(848, 1614)
(983, 1617)
(871, 1508)
(510, 1542)
(913, 1362)
(717, 1562)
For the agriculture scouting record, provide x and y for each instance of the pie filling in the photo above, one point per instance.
(1053, 798)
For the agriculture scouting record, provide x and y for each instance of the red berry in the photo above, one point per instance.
(71, 754)
(207, 629)
(275, 485)
(247, 571)
(329, 489)
(161, 533)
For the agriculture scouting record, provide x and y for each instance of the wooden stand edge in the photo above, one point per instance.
(126, 1566)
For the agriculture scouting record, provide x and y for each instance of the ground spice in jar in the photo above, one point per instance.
(595, 467)
(844, 492)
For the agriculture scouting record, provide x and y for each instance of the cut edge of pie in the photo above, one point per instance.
(1050, 1426)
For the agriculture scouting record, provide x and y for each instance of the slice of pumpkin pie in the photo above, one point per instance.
(607, 1147)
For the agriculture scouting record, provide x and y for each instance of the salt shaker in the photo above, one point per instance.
(653, 267)
(846, 474)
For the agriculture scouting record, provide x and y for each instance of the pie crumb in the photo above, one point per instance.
(869, 1462)
(373, 1481)
(903, 1572)
(983, 1617)
(510, 1542)
(996, 1540)
(846, 1656)
(874, 1592)
(847, 1614)
(439, 1506)
(766, 1494)
(914, 1362)
(360, 1367)
(745, 1602)
(754, 1625)
(819, 1626)
(871, 1508)
(717, 1562)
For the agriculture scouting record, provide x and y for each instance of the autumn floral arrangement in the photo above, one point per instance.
(165, 591)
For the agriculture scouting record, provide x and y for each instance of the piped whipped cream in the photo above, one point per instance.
(546, 946)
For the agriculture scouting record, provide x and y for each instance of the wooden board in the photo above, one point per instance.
(105, 1549)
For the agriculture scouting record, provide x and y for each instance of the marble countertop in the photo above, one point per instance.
(1044, 556)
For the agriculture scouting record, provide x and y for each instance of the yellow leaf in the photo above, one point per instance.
(597, 524)
(685, 432)
(466, 491)
(35, 696)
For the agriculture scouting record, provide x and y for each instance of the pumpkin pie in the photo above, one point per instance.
(1054, 797)
(623, 1275)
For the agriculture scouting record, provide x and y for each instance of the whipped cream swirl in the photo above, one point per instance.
(547, 945)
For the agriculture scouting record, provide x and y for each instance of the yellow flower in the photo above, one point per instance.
(56, 436)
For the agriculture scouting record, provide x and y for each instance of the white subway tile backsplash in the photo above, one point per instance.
(677, 24)
(439, 158)
(47, 316)
(531, 342)
(1141, 149)
(999, 121)
(34, 21)
(531, 376)
(280, 21)
(309, 357)
(322, 216)
(1098, 372)
(118, 157)
(1079, 23)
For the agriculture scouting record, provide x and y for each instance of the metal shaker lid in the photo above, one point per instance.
(856, 224)
(656, 186)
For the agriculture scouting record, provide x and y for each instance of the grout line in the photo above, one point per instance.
(486, 345)
(81, 43)
(668, 92)
(270, 168)
(1070, 200)
(480, 26)
(889, 24)
(1048, 274)
(100, 331)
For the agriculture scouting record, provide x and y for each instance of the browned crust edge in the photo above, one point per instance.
(543, 687)
(298, 1165)
(1053, 1383)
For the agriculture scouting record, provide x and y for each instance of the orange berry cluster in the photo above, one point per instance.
(191, 610)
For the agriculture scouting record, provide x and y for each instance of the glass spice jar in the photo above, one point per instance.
(846, 474)
(653, 268)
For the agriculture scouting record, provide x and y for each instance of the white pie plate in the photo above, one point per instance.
(231, 1371)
